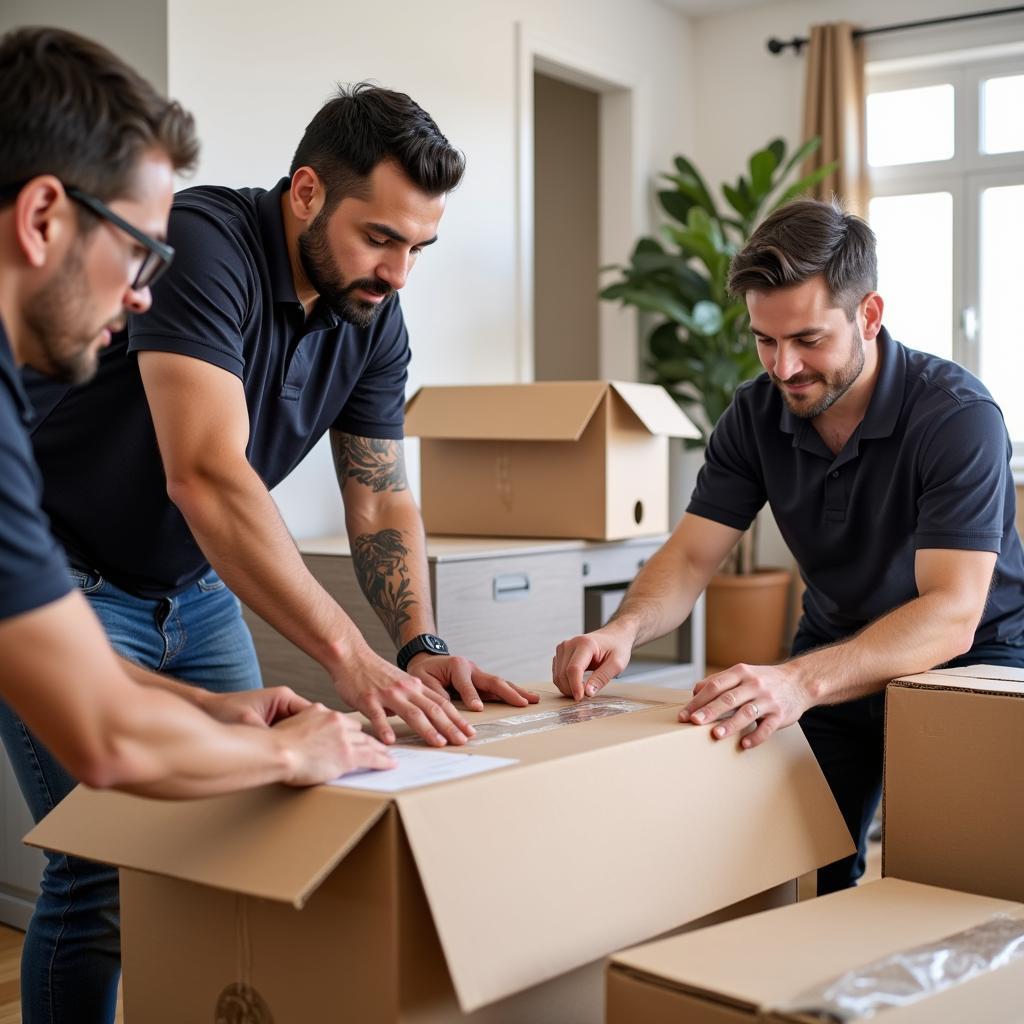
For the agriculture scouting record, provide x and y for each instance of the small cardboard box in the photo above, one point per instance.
(336, 905)
(582, 459)
(741, 971)
(954, 774)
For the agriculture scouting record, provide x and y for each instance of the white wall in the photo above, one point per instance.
(135, 31)
(254, 83)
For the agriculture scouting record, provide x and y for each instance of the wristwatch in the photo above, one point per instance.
(425, 643)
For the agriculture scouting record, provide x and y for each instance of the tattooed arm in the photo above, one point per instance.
(202, 427)
(389, 552)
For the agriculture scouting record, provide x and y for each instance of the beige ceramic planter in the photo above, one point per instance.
(746, 618)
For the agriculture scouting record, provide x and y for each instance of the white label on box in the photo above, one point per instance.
(420, 768)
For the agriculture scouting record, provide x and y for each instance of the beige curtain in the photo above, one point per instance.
(834, 111)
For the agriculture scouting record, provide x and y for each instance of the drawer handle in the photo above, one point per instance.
(511, 586)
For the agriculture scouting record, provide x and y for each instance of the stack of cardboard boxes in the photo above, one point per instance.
(952, 861)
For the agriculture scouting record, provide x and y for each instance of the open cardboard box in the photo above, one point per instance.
(553, 459)
(954, 774)
(336, 905)
(742, 971)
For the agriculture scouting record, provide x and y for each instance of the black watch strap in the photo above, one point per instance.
(425, 643)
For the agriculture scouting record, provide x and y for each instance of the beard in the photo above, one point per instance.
(836, 383)
(53, 318)
(324, 274)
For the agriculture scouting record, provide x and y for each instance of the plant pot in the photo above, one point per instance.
(746, 618)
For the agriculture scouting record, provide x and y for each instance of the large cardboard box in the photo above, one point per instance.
(752, 969)
(954, 775)
(333, 905)
(555, 459)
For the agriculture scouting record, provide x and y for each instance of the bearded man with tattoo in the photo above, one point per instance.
(278, 322)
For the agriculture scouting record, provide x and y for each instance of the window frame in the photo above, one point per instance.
(965, 175)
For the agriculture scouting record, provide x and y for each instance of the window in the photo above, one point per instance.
(946, 157)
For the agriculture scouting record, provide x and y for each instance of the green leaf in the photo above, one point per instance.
(648, 245)
(676, 205)
(664, 342)
(800, 155)
(658, 302)
(762, 166)
(778, 147)
(689, 172)
(735, 200)
(805, 184)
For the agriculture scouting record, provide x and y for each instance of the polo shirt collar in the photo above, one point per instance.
(886, 403)
(883, 410)
(12, 379)
(275, 246)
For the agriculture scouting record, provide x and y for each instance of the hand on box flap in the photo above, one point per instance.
(377, 688)
(773, 696)
(441, 672)
(605, 653)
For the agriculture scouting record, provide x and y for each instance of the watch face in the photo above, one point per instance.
(435, 643)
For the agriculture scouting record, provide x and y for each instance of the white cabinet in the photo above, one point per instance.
(505, 603)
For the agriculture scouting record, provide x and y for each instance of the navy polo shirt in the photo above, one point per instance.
(33, 570)
(928, 467)
(229, 300)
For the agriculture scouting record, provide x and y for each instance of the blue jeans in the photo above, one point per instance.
(71, 959)
(848, 739)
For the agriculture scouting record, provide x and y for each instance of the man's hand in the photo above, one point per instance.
(474, 685)
(254, 707)
(606, 651)
(774, 696)
(323, 744)
(377, 688)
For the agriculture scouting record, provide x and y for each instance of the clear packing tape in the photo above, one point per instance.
(913, 974)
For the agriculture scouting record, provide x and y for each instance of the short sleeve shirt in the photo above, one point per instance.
(928, 467)
(33, 569)
(229, 300)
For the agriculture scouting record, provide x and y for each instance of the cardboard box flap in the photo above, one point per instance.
(547, 411)
(610, 880)
(274, 842)
(655, 409)
(767, 959)
(981, 678)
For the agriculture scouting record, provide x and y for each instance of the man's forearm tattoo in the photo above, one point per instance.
(372, 461)
(383, 573)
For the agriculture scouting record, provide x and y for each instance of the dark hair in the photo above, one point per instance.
(361, 126)
(71, 108)
(805, 238)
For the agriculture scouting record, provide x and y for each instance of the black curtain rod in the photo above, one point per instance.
(797, 43)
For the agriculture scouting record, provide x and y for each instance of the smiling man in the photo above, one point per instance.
(887, 471)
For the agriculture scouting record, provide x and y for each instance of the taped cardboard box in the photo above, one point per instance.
(336, 905)
(762, 968)
(954, 774)
(582, 459)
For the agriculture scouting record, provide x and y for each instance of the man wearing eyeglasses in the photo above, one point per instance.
(87, 154)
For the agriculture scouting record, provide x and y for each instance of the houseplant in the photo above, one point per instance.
(699, 348)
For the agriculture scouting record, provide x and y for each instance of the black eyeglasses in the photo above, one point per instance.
(158, 254)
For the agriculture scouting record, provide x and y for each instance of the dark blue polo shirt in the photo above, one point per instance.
(927, 468)
(33, 570)
(229, 300)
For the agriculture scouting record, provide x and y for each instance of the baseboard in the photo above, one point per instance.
(16, 909)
